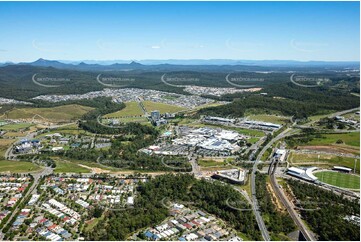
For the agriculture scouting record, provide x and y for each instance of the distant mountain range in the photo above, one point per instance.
(191, 65)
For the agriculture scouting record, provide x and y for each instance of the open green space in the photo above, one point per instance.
(249, 132)
(142, 120)
(15, 126)
(330, 160)
(89, 226)
(352, 139)
(56, 114)
(67, 166)
(4, 145)
(317, 117)
(339, 179)
(91, 164)
(270, 118)
(266, 154)
(210, 163)
(161, 107)
(17, 166)
(253, 140)
(170, 97)
(131, 109)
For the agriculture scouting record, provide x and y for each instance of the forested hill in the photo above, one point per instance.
(288, 99)
(17, 81)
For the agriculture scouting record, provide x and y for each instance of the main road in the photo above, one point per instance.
(288, 205)
(37, 176)
(257, 213)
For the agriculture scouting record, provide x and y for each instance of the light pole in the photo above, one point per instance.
(354, 167)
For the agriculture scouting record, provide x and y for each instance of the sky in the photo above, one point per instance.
(327, 31)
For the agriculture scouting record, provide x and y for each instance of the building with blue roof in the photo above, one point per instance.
(148, 234)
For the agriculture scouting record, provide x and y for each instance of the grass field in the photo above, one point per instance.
(352, 139)
(210, 163)
(17, 166)
(161, 107)
(131, 109)
(15, 126)
(4, 145)
(270, 118)
(67, 166)
(58, 114)
(214, 104)
(13, 134)
(339, 179)
(317, 117)
(141, 120)
(253, 140)
(266, 154)
(331, 160)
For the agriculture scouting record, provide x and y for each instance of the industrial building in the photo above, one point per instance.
(218, 119)
(262, 125)
(211, 139)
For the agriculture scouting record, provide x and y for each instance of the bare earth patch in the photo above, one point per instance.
(329, 148)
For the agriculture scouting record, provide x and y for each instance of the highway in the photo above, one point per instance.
(257, 213)
(288, 205)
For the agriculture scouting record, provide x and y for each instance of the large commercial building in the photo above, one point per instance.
(211, 139)
(155, 115)
(262, 125)
(237, 176)
(218, 119)
(303, 173)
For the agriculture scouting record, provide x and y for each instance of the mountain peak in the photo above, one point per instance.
(133, 63)
(40, 60)
(47, 63)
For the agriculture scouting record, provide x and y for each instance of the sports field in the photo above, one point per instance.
(339, 179)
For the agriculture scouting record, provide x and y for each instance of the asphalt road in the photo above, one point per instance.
(257, 213)
(32, 190)
(288, 205)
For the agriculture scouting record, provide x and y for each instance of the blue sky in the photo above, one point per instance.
(180, 30)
